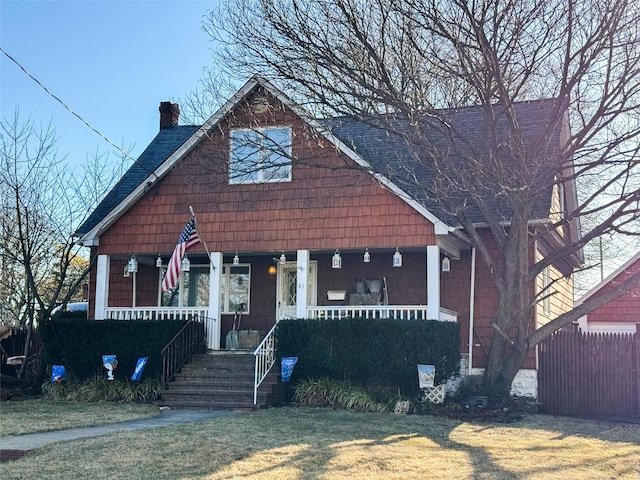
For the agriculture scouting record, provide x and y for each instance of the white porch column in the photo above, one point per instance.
(215, 280)
(102, 286)
(302, 282)
(433, 282)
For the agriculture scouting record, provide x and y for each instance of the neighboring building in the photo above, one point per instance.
(620, 315)
(275, 233)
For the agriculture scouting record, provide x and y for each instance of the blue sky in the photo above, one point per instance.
(112, 62)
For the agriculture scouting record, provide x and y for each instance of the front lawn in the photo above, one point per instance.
(38, 415)
(301, 443)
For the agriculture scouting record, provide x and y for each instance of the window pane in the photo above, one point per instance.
(277, 154)
(261, 155)
(199, 287)
(239, 280)
(169, 298)
(245, 160)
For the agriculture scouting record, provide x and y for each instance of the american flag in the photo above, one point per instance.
(187, 240)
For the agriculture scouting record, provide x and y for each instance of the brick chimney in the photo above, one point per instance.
(169, 114)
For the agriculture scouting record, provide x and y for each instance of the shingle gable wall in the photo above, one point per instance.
(329, 204)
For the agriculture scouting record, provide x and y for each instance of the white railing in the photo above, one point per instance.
(165, 313)
(398, 312)
(265, 355)
(155, 313)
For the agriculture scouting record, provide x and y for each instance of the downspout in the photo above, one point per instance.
(471, 307)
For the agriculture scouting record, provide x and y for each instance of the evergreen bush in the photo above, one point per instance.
(80, 344)
(374, 353)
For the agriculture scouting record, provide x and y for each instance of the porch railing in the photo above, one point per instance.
(166, 313)
(155, 313)
(398, 312)
(189, 340)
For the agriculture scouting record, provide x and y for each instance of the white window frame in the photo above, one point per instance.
(546, 291)
(263, 153)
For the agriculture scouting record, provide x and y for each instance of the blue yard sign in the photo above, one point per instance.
(286, 367)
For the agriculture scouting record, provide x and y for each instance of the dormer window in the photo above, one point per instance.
(260, 155)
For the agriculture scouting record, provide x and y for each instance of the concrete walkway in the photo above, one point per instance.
(15, 446)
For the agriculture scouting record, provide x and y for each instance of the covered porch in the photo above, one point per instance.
(264, 287)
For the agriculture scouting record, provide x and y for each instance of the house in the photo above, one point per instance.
(620, 315)
(297, 239)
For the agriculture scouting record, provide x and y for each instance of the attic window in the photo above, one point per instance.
(260, 155)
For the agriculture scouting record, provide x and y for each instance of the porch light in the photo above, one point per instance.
(272, 270)
(336, 260)
(367, 257)
(159, 262)
(132, 266)
(283, 258)
(446, 264)
(126, 271)
(185, 266)
(236, 259)
(397, 258)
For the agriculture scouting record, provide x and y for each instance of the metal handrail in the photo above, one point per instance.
(189, 340)
(265, 354)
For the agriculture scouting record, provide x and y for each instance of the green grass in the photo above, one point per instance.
(301, 443)
(38, 415)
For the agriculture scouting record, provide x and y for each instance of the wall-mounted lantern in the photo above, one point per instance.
(446, 264)
(185, 266)
(336, 260)
(132, 266)
(397, 258)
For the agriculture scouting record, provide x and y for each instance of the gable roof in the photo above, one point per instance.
(626, 266)
(382, 154)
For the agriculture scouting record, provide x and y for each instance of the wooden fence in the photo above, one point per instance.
(590, 374)
(12, 344)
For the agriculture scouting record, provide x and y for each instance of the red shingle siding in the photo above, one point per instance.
(623, 309)
(455, 296)
(329, 204)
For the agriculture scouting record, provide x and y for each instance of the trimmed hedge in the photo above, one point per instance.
(370, 352)
(80, 344)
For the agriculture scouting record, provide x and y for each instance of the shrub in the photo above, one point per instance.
(80, 344)
(99, 389)
(327, 392)
(379, 354)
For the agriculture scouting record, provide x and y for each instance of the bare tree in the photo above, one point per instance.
(41, 204)
(418, 61)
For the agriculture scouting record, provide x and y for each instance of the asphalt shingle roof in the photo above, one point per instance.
(403, 161)
(168, 140)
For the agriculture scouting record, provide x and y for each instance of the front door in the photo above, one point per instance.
(287, 289)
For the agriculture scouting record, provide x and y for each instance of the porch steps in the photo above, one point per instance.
(219, 381)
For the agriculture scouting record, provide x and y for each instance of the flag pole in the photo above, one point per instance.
(195, 222)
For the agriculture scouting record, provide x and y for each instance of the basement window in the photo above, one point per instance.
(260, 155)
